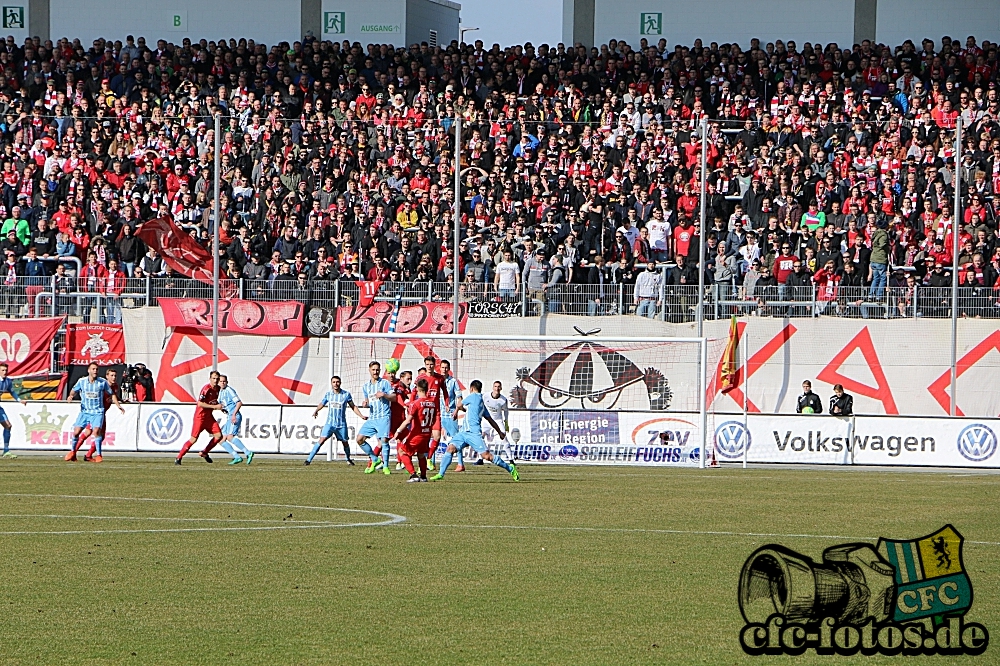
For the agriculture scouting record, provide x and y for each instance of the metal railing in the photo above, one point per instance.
(676, 303)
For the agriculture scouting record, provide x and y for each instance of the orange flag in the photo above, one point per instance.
(729, 363)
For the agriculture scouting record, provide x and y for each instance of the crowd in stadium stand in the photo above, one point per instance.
(828, 168)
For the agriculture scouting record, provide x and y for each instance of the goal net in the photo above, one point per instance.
(572, 399)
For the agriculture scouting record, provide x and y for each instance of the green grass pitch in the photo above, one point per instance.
(573, 565)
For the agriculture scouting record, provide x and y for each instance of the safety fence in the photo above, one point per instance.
(97, 301)
(568, 437)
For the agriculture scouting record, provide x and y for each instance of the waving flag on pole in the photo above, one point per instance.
(395, 311)
(181, 252)
(729, 364)
(368, 291)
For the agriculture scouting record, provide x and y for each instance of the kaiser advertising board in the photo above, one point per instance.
(46, 426)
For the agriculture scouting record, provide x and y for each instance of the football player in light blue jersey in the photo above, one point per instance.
(91, 390)
(231, 406)
(449, 423)
(472, 434)
(7, 386)
(336, 401)
(377, 397)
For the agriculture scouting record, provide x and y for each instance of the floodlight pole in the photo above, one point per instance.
(457, 223)
(702, 236)
(956, 226)
(215, 250)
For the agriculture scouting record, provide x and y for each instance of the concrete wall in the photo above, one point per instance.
(899, 20)
(578, 22)
(268, 21)
(372, 22)
(422, 16)
(680, 22)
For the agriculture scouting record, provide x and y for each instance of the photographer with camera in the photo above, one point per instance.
(137, 384)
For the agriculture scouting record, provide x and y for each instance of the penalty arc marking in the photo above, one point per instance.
(387, 518)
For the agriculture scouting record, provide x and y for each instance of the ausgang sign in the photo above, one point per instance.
(380, 28)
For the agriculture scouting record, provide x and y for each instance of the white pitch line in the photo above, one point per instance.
(641, 530)
(391, 518)
(172, 520)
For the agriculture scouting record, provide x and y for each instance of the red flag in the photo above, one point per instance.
(368, 291)
(181, 252)
(25, 344)
(103, 344)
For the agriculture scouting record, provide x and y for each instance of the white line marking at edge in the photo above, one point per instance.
(391, 518)
(640, 530)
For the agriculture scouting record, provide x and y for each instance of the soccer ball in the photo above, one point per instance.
(808, 410)
(392, 365)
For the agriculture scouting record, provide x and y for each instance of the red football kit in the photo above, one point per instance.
(203, 419)
(435, 386)
(422, 412)
(397, 408)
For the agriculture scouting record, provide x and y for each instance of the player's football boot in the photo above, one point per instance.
(70, 457)
(250, 455)
(386, 470)
(236, 461)
(177, 461)
(430, 464)
(513, 472)
(372, 467)
(207, 457)
(10, 456)
(413, 479)
(459, 468)
(437, 477)
(306, 463)
(96, 459)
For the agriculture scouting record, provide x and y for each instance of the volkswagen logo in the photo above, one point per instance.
(977, 442)
(164, 426)
(732, 439)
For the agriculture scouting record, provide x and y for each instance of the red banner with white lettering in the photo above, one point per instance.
(26, 345)
(103, 344)
(235, 316)
(181, 252)
(431, 318)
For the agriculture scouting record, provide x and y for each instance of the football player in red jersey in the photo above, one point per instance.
(208, 402)
(418, 424)
(111, 376)
(435, 384)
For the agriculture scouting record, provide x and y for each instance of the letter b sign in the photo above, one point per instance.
(177, 21)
